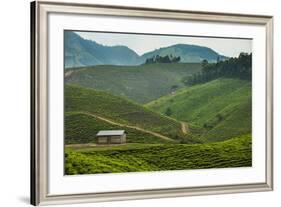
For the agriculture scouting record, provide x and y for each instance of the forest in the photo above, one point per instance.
(163, 59)
(240, 67)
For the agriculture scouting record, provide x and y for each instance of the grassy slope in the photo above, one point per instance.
(221, 107)
(142, 157)
(142, 83)
(82, 128)
(120, 110)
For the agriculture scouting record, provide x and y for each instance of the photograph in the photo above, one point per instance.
(156, 102)
(131, 103)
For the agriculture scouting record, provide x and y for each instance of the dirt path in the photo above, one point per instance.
(68, 73)
(184, 127)
(129, 126)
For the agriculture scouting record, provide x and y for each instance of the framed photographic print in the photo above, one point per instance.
(134, 103)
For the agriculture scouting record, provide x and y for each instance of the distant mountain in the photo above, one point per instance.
(81, 52)
(188, 53)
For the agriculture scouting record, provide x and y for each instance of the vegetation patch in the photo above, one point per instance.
(81, 128)
(236, 152)
(120, 111)
(221, 108)
(141, 83)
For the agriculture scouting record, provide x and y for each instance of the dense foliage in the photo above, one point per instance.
(163, 59)
(240, 67)
(235, 152)
(187, 53)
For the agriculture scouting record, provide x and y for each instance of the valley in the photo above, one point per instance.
(180, 107)
(156, 141)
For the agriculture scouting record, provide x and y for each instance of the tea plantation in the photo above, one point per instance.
(235, 152)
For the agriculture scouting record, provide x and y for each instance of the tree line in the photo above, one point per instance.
(163, 59)
(240, 67)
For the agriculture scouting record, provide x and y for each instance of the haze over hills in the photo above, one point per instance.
(142, 83)
(80, 52)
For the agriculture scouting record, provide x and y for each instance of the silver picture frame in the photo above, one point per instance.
(39, 100)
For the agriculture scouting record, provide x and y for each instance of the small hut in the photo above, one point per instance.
(111, 137)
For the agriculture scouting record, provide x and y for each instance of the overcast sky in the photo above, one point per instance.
(144, 43)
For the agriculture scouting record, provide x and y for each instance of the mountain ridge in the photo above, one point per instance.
(189, 53)
(80, 52)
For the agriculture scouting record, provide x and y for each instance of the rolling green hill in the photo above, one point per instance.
(120, 112)
(221, 108)
(81, 128)
(235, 152)
(142, 83)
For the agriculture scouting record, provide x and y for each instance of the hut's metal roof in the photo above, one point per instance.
(110, 132)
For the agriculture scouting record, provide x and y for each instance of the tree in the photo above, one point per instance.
(163, 59)
(240, 67)
(168, 111)
(218, 59)
(204, 63)
(219, 117)
(174, 87)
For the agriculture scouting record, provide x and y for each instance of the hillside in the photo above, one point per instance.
(120, 111)
(142, 83)
(220, 108)
(80, 52)
(235, 152)
(81, 128)
(187, 53)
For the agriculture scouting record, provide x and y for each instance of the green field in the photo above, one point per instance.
(235, 152)
(81, 128)
(141, 84)
(176, 107)
(115, 109)
(218, 109)
(216, 114)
